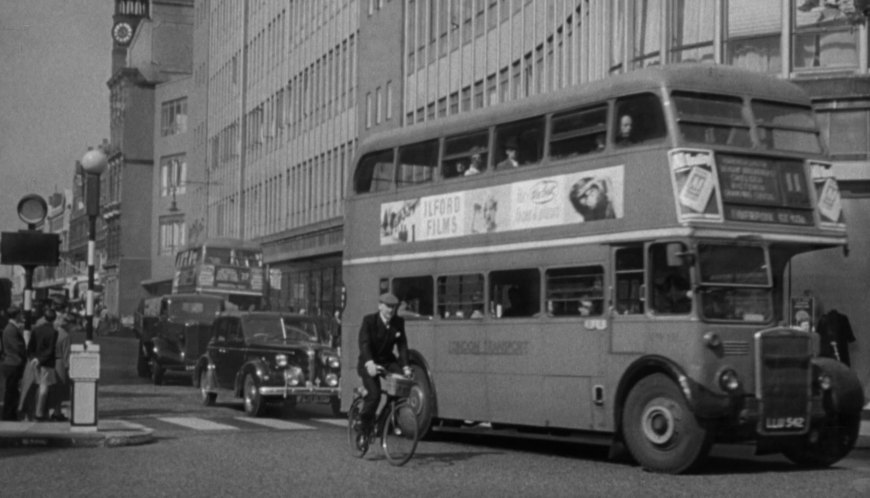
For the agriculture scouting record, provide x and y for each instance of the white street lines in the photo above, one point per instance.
(199, 424)
(340, 422)
(275, 423)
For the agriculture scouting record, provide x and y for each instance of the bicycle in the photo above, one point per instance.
(395, 421)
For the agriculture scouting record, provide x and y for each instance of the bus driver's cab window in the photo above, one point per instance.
(638, 119)
(629, 298)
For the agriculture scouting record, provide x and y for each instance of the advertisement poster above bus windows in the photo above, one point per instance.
(696, 185)
(828, 193)
(552, 201)
(740, 188)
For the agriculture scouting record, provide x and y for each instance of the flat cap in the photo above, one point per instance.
(389, 299)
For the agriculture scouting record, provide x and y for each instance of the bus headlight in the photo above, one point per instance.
(281, 360)
(293, 376)
(331, 380)
(728, 380)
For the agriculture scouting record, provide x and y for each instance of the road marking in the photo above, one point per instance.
(340, 422)
(198, 424)
(275, 423)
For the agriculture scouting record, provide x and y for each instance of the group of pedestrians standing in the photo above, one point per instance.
(35, 366)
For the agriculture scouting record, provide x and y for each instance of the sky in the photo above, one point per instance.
(55, 61)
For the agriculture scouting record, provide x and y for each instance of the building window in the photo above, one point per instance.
(173, 117)
(823, 37)
(647, 33)
(753, 38)
(173, 175)
(368, 110)
(172, 235)
(846, 132)
(379, 105)
(389, 100)
(692, 32)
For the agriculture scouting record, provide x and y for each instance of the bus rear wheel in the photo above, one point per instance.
(660, 430)
(421, 400)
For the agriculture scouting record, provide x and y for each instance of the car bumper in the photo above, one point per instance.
(287, 391)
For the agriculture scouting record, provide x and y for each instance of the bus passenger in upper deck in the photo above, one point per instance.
(510, 160)
(476, 165)
(626, 134)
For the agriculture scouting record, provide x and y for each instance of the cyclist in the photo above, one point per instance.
(379, 334)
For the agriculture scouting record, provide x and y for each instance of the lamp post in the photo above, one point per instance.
(93, 164)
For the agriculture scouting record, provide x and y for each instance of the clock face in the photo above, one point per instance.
(122, 32)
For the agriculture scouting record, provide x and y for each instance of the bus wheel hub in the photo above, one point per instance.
(658, 424)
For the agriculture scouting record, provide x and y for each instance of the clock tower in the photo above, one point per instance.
(128, 14)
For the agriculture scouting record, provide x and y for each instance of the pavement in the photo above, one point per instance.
(107, 434)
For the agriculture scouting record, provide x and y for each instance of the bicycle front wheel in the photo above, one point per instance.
(357, 441)
(401, 433)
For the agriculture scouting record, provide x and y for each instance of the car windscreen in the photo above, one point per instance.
(276, 328)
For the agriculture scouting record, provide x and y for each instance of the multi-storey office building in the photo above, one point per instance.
(282, 92)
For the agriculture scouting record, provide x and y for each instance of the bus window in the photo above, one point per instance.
(629, 281)
(578, 132)
(218, 255)
(786, 127)
(671, 292)
(416, 297)
(576, 291)
(639, 118)
(519, 143)
(515, 293)
(465, 155)
(460, 296)
(712, 119)
(417, 163)
(734, 283)
(375, 172)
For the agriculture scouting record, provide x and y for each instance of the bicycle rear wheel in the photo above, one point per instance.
(401, 433)
(357, 441)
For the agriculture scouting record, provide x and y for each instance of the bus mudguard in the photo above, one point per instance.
(846, 394)
(703, 402)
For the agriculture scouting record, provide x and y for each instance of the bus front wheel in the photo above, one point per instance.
(660, 430)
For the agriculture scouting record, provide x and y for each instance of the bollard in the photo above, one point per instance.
(84, 372)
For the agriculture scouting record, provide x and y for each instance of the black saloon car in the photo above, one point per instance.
(265, 356)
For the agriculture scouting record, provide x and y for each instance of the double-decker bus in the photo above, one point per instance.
(230, 267)
(615, 268)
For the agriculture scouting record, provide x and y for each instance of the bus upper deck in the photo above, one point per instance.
(223, 266)
(743, 153)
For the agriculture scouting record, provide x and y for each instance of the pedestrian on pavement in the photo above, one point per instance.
(40, 367)
(12, 360)
(60, 391)
(379, 334)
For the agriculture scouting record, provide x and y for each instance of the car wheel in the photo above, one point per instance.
(254, 404)
(156, 373)
(142, 367)
(205, 384)
(660, 430)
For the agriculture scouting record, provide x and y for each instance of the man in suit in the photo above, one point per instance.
(41, 351)
(379, 334)
(12, 362)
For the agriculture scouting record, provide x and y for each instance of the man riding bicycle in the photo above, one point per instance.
(379, 334)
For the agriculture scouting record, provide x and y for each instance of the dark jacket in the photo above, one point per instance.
(14, 348)
(377, 341)
(836, 334)
(42, 344)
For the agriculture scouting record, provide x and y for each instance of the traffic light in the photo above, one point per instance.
(29, 248)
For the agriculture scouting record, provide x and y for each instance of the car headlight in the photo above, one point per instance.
(281, 360)
(293, 376)
(729, 381)
(331, 380)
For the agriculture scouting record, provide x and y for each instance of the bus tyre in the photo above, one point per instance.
(826, 444)
(422, 400)
(660, 431)
(254, 404)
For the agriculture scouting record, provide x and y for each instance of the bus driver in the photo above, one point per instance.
(379, 334)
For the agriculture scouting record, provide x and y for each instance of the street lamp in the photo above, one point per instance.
(93, 164)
